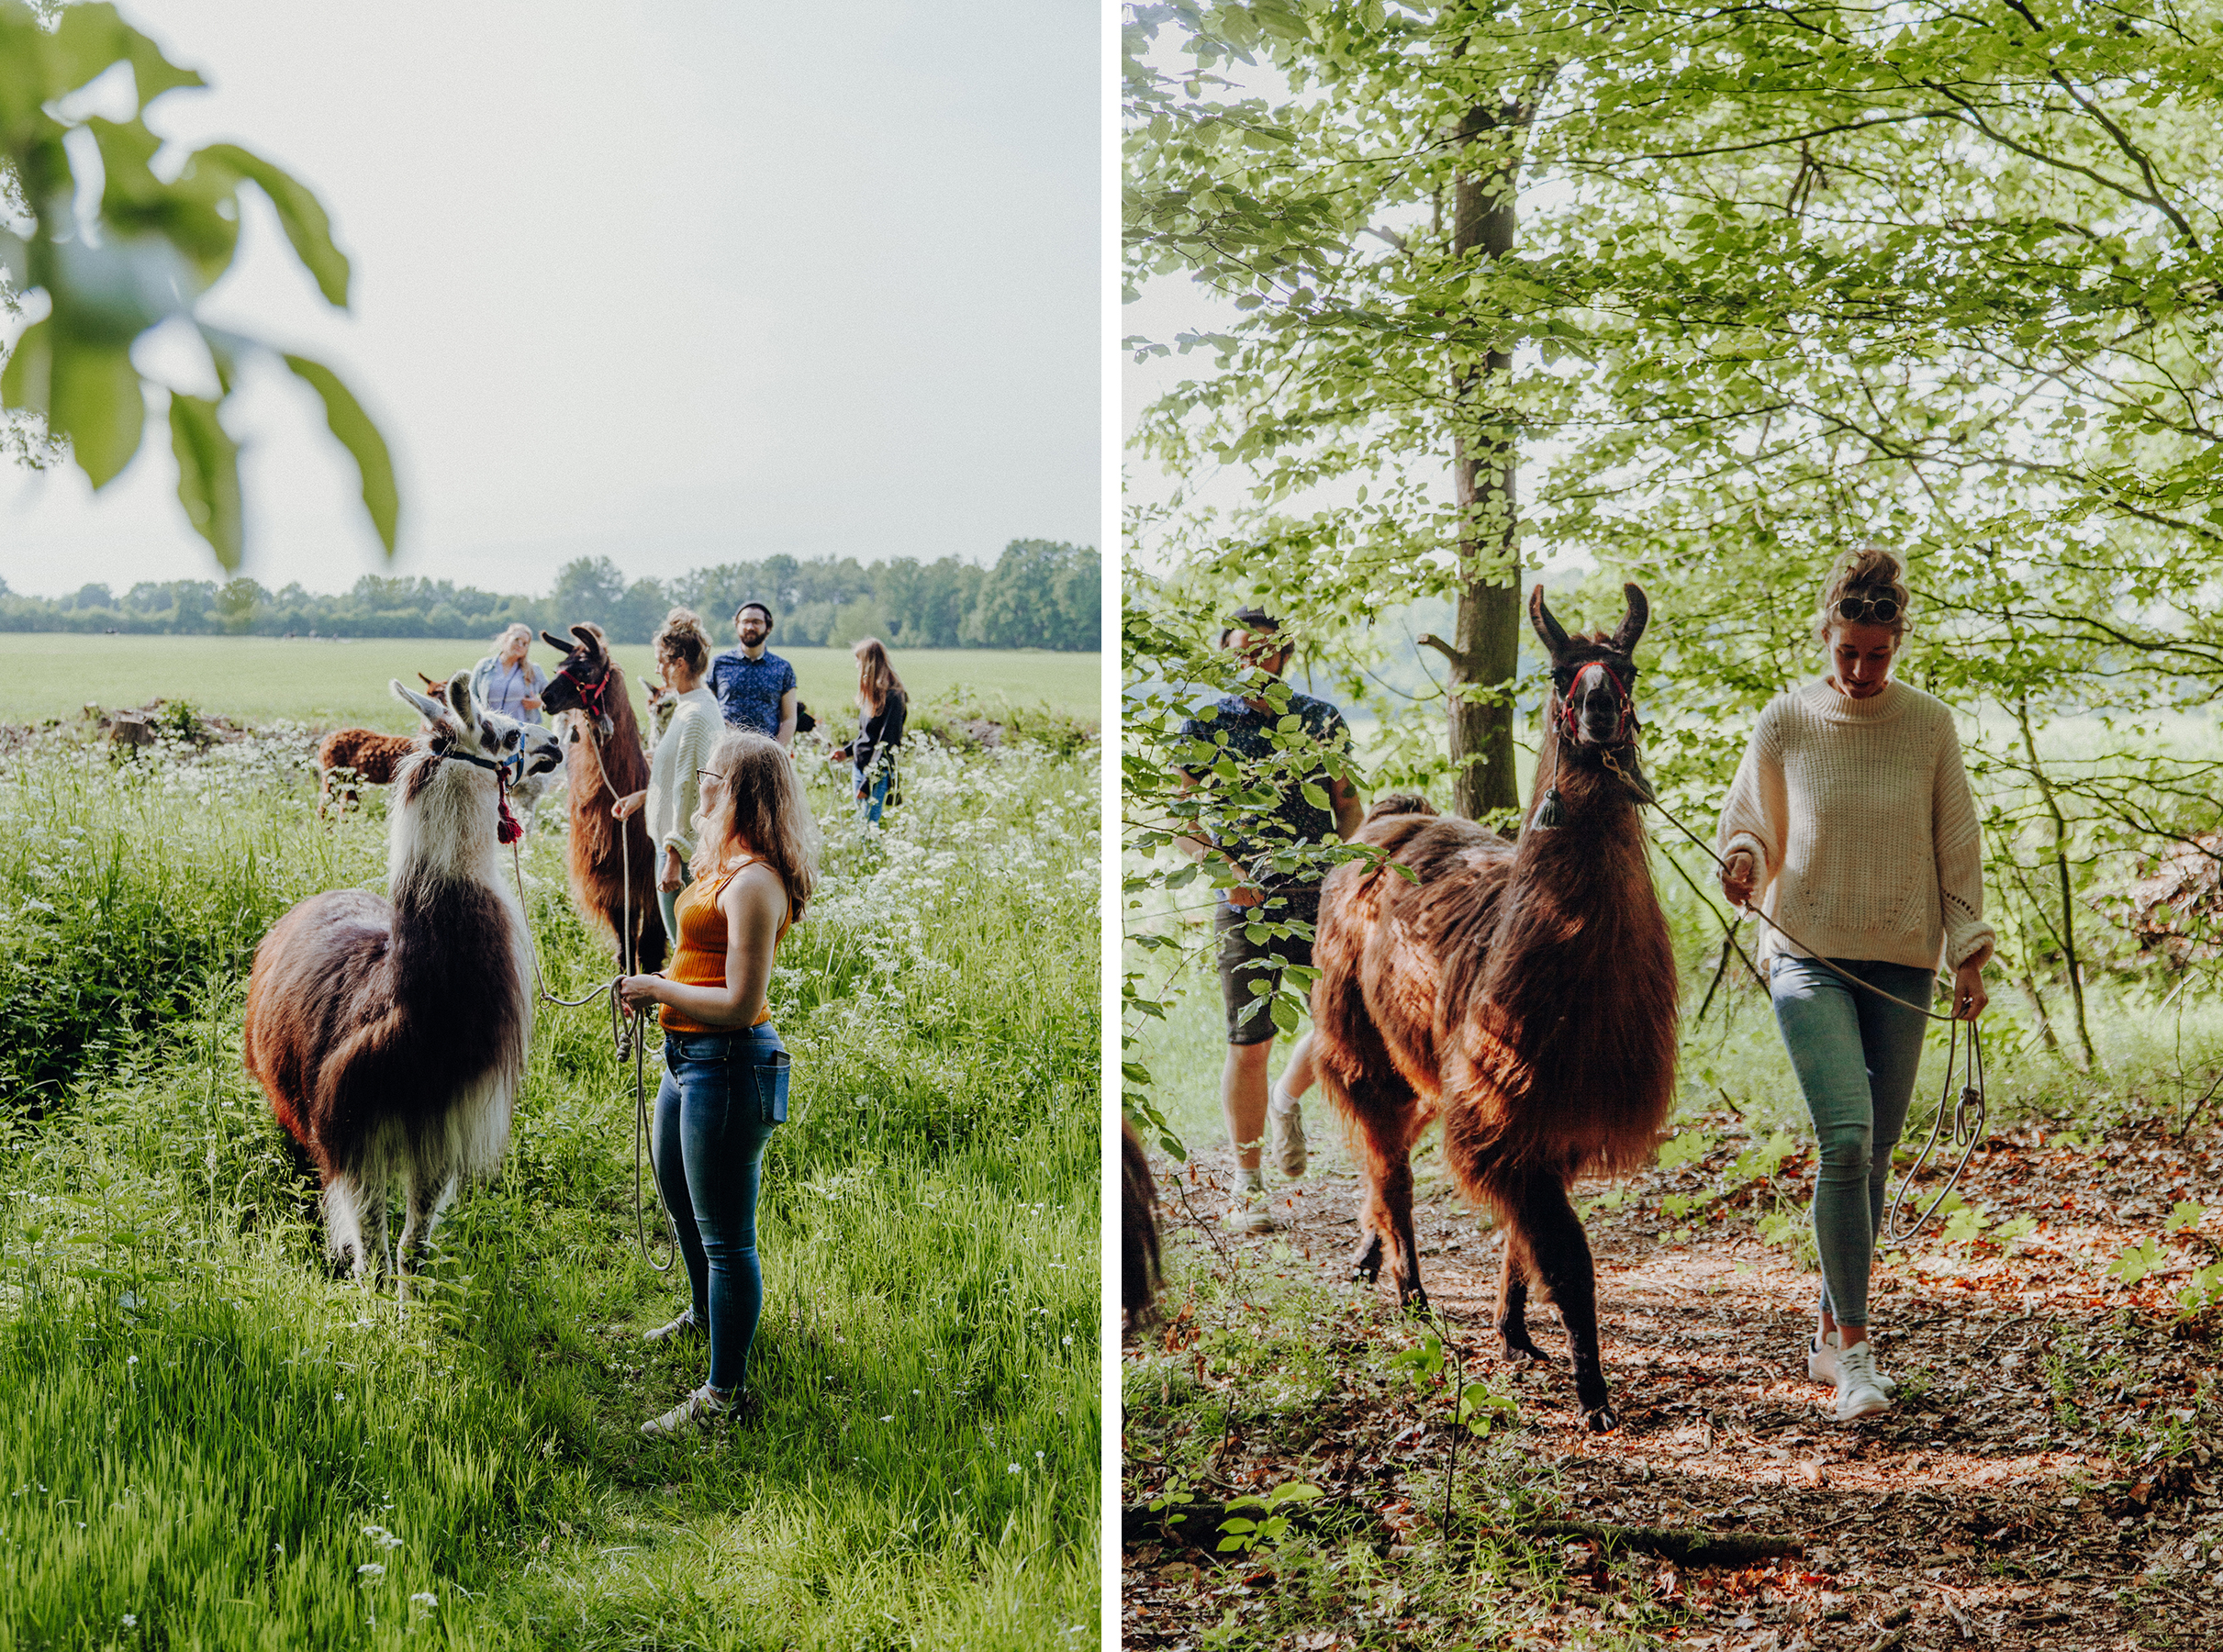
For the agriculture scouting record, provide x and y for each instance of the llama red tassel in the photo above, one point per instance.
(509, 832)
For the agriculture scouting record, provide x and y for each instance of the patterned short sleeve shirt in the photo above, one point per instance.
(1249, 740)
(749, 690)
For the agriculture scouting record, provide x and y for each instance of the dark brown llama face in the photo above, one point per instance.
(578, 682)
(1593, 678)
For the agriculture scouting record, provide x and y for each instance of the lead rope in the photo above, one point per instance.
(1968, 1113)
(624, 1030)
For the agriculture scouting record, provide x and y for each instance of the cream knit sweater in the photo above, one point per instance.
(674, 792)
(1857, 813)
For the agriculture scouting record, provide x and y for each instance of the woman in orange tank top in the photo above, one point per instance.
(725, 1080)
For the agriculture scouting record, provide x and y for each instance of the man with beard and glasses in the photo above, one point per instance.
(755, 688)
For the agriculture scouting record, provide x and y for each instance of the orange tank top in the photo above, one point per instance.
(700, 958)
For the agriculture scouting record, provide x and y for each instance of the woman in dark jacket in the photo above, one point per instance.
(879, 728)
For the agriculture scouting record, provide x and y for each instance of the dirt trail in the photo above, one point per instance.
(2046, 1480)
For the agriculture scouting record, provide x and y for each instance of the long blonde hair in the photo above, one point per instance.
(759, 811)
(876, 677)
(1866, 572)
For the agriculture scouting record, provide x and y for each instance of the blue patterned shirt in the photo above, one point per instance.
(749, 690)
(1248, 832)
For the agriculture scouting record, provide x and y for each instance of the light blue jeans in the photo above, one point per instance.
(1856, 1056)
(871, 796)
(667, 902)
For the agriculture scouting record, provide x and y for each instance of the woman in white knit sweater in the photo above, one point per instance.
(674, 788)
(1850, 818)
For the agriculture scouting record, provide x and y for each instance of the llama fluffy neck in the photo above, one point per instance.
(1600, 846)
(444, 828)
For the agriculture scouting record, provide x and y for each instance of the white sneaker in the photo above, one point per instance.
(1246, 1214)
(700, 1408)
(686, 1328)
(1286, 1118)
(1822, 1362)
(1860, 1394)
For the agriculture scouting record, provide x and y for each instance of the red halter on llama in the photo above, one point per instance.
(613, 864)
(1525, 992)
(390, 1035)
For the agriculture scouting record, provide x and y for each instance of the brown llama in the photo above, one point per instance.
(350, 759)
(1139, 1270)
(613, 864)
(1525, 992)
(390, 1035)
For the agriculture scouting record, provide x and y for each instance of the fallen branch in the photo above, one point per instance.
(1199, 1524)
(1686, 1545)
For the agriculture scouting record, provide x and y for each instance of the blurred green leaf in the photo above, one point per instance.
(360, 438)
(207, 475)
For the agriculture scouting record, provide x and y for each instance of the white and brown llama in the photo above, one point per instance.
(390, 1034)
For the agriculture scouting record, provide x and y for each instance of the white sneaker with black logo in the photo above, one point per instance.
(1822, 1362)
(702, 1409)
(1860, 1394)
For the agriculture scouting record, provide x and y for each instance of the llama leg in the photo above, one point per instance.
(343, 1224)
(1561, 1253)
(424, 1202)
(1386, 1213)
(1513, 1301)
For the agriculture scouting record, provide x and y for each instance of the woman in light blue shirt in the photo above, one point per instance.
(506, 681)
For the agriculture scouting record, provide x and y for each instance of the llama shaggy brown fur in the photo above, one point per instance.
(612, 865)
(350, 759)
(1525, 992)
(389, 1036)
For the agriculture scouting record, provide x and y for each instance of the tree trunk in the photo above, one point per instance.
(1484, 648)
(2061, 862)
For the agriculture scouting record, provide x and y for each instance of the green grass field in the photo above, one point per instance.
(54, 675)
(211, 1441)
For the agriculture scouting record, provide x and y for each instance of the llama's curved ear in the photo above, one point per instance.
(1633, 622)
(1553, 633)
(558, 644)
(459, 697)
(431, 711)
(588, 641)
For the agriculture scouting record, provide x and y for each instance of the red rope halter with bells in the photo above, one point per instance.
(509, 831)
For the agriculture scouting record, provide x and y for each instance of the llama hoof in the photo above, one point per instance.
(1601, 1418)
(1413, 1301)
(1367, 1265)
(1524, 1352)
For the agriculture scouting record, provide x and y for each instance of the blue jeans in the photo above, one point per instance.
(712, 1123)
(871, 797)
(1856, 1056)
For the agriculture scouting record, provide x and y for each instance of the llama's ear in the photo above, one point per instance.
(1633, 622)
(588, 641)
(1554, 635)
(557, 642)
(459, 697)
(431, 711)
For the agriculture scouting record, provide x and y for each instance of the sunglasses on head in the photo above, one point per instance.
(1881, 610)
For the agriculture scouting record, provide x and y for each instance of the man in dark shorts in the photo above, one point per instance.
(755, 688)
(1245, 728)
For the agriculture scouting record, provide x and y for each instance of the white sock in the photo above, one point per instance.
(1253, 1180)
(1279, 1100)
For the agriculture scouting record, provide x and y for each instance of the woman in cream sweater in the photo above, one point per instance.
(1851, 821)
(673, 794)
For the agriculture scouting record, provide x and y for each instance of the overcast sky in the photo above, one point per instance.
(675, 283)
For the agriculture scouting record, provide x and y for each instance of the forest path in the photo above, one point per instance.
(2045, 1480)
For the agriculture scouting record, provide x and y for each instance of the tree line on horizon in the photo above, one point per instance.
(1039, 594)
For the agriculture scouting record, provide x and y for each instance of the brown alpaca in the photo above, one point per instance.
(612, 866)
(350, 759)
(389, 1035)
(1525, 992)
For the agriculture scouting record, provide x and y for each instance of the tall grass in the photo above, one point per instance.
(260, 1454)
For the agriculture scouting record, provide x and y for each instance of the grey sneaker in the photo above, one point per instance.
(1822, 1362)
(702, 1409)
(686, 1328)
(1858, 1392)
(1246, 1214)
(1285, 1119)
